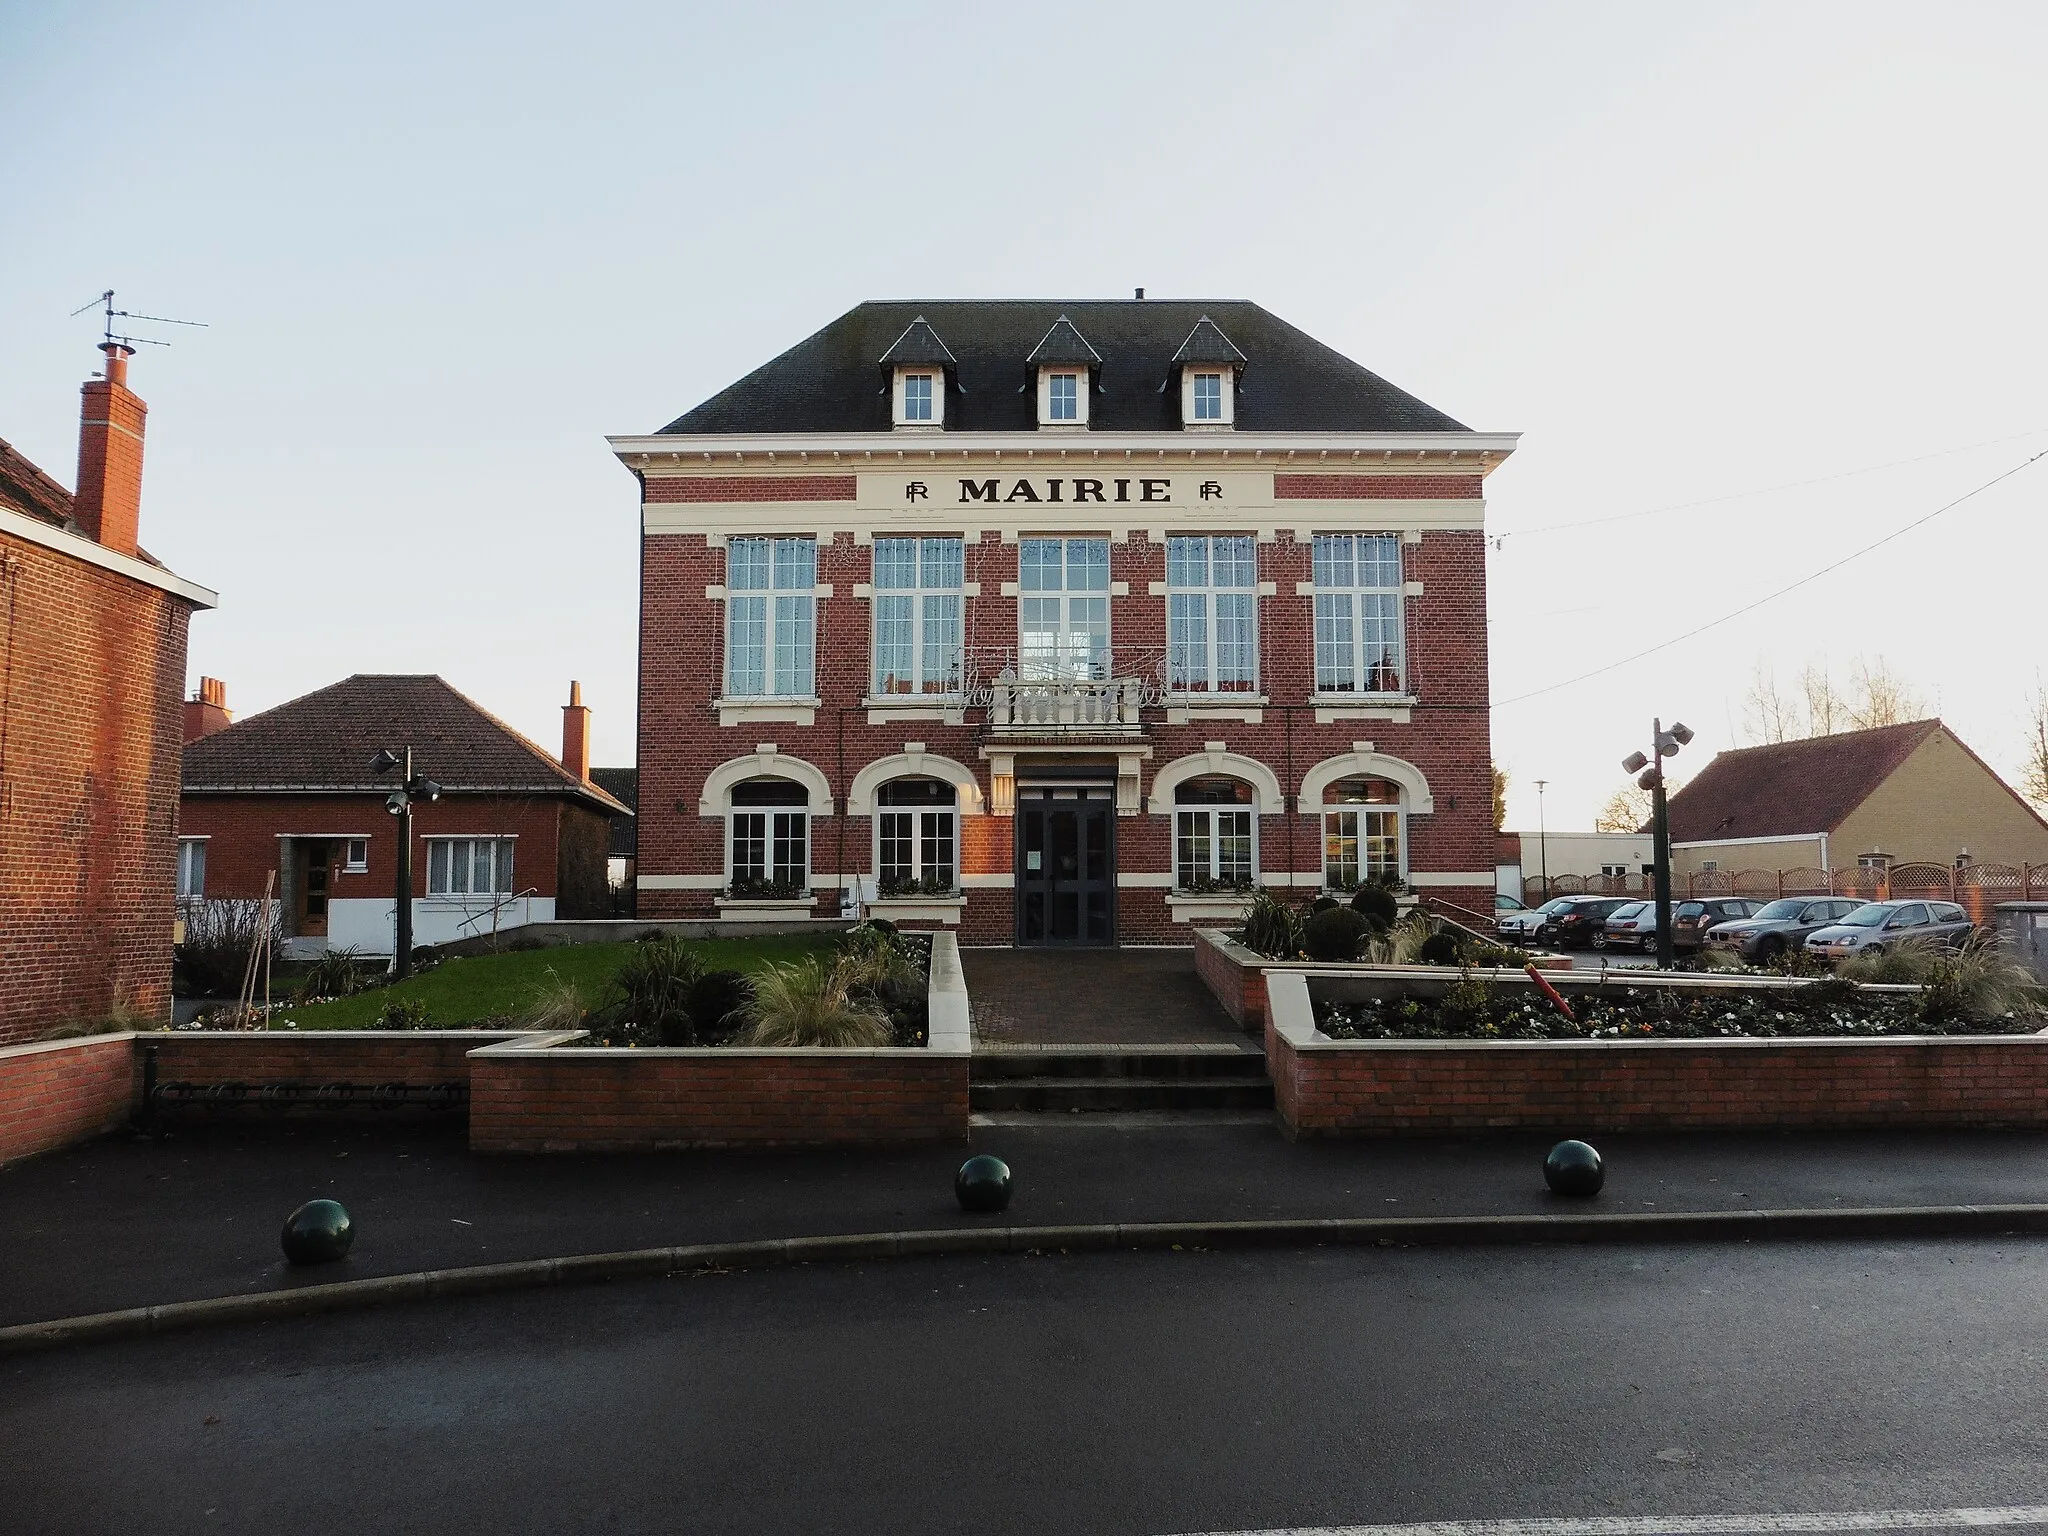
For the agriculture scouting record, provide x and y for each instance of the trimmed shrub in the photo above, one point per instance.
(1335, 933)
(1323, 903)
(1442, 948)
(1376, 904)
(715, 1001)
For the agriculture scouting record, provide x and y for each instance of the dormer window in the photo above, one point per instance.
(1209, 364)
(914, 404)
(1065, 367)
(918, 365)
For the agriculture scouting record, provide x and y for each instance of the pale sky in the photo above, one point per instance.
(1690, 252)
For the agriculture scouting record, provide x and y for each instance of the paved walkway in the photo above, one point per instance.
(1094, 997)
(129, 1222)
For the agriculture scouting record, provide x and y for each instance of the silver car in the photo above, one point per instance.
(1780, 926)
(1876, 925)
(1522, 927)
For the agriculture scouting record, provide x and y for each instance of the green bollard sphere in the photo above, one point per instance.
(983, 1184)
(1574, 1168)
(318, 1232)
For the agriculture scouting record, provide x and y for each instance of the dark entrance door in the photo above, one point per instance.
(1066, 866)
(316, 873)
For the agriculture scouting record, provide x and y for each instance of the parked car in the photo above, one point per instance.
(1633, 926)
(1691, 919)
(1523, 926)
(1876, 925)
(1767, 934)
(1503, 902)
(1573, 925)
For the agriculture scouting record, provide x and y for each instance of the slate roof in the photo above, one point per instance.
(323, 742)
(919, 343)
(1064, 344)
(1791, 787)
(1206, 344)
(623, 785)
(1292, 382)
(25, 488)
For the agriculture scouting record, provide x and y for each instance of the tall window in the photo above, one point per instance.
(1212, 835)
(771, 826)
(1212, 600)
(1063, 397)
(917, 397)
(770, 617)
(1361, 833)
(916, 838)
(917, 615)
(191, 868)
(1208, 397)
(1063, 611)
(469, 866)
(1359, 638)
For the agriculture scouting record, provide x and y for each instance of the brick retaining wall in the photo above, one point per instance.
(603, 1100)
(61, 1091)
(1390, 1087)
(419, 1058)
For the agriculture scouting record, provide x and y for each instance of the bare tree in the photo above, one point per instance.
(1826, 711)
(1881, 697)
(1626, 810)
(1768, 715)
(2034, 767)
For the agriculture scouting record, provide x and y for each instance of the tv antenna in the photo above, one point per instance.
(106, 301)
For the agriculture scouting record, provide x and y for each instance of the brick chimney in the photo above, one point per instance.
(576, 734)
(110, 420)
(207, 710)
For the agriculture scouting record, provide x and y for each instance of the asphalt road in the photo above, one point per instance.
(124, 1222)
(1127, 1394)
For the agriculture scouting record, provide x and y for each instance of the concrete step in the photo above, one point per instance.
(1085, 1061)
(1061, 1094)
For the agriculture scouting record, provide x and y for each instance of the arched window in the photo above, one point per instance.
(917, 827)
(769, 828)
(1213, 834)
(1361, 832)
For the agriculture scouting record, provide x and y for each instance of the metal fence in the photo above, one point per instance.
(1978, 887)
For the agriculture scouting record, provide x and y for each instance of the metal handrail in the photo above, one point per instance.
(531, 890)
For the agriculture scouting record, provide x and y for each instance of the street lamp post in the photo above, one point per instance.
(1663, 744)
(399, 803)
(1542, 839)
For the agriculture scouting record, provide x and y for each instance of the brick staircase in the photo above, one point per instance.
(1081, 1080)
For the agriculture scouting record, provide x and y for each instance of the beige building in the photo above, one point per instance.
(1875, 800)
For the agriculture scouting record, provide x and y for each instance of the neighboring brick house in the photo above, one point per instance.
(1872, 801)
(1063, 623)
(516, 836)
(623, 785)
(92, 664)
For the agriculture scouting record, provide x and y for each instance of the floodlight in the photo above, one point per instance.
(1648, 780)
(384, 761)
(425, 789)
(1635, 762)
(395, 804)
(1681, 733)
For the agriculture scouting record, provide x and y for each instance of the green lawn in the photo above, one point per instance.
(475, 988)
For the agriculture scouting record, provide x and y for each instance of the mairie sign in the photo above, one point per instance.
(1047, 490)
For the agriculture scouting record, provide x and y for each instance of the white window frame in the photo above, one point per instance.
(1195, 647)
(928, 605)
(776, 599)
(1192, 379)
(932, 396)
(1049, 380)
(1205, 822)
(191, 861)
(504, 866)
(778, 823)
(1074, 611)
(1333, 814)
(928, 824)
(1346, 606)
(352, 862)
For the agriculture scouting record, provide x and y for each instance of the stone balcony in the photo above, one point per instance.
(1065, 707)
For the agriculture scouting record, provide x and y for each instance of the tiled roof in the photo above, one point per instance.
(323, 741)
(1292, 382)
(1791, 788)
(1207, 344)
(1064, 344)
(919, 343)
(25, 488)
(623, 785)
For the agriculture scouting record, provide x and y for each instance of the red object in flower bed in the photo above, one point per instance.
(1544, 986)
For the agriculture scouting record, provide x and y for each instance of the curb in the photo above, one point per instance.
(1386, 1231)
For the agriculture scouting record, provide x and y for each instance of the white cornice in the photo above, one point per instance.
(79, 547)
(1299, 451)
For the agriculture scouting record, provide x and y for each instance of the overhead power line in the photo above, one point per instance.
(1500, 539)
(1771, 597)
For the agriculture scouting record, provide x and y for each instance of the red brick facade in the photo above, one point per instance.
(1445, 737)
(92, 670)
(65, 1091)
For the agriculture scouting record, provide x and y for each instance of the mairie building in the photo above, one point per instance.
(1060, 623)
